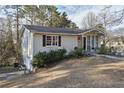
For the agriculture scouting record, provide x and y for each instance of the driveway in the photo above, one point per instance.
(75, 73)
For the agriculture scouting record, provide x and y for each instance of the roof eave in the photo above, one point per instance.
(91, 31)
(54, 33)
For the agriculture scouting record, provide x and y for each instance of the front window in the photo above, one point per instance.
(51, 40)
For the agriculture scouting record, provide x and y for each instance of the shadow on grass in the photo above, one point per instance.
(82, 72)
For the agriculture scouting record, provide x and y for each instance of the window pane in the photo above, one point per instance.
(56, 40)
(53, 40)
(48, 40)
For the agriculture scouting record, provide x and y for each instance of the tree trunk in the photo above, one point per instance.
(17, 29)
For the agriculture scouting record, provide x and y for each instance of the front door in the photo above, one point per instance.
(84, 43)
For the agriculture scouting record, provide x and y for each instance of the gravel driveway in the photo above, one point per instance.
(74, 73)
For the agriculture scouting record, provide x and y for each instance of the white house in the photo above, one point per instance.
(38, 38)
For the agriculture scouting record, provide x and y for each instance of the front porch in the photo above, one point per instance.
(90, 41)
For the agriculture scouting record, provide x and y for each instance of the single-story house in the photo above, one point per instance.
(39, 38)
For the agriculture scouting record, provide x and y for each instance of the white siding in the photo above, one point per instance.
(27, 48)
(68, 42)
(25, 41)
(37, 43)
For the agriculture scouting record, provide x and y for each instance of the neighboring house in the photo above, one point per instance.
(116, 42)
(38, 39)
(117, 45)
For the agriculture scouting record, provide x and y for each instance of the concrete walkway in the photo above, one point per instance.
(11, 75)
(109, 56)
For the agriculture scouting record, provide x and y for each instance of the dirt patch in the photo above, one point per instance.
(82, 72)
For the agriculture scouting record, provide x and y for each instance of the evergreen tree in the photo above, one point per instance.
(47, 16)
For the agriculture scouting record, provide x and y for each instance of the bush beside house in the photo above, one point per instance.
(77, 52)
(103, 50)
(43, 59)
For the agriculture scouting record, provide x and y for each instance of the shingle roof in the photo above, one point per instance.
(35, 28)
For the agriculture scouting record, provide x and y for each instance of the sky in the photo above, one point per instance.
(77, 12)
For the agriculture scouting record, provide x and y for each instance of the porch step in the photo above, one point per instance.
(90, 53)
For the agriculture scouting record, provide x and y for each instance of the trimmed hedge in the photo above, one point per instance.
(45, 58)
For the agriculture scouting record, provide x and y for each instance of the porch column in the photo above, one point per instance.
(90, 42)
(82, 41)
(95, 43)
(86, 43)
(99, 42)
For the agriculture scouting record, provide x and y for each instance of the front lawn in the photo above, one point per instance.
(81, 72)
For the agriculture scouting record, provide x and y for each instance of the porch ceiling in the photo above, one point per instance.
(94, 32)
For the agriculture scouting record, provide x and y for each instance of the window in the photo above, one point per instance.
(52, 40)
(48, 40)
(55, 41)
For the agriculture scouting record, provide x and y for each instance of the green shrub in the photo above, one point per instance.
(39, 59)
(103, 50)
(50, 57)
(77, 52)
(61, 53)
(45, 58)
(71, 54)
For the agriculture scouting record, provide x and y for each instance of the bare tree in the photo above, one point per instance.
(6, 42)
(13, 15)
(109, 18)
(90, 20)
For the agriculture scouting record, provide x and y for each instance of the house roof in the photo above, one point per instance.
(35, 28)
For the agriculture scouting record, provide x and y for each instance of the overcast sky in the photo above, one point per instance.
(77, 12)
